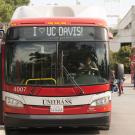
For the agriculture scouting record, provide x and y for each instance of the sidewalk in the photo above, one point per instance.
(127, 82)
(128, 87)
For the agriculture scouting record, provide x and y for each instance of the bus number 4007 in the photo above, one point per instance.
(20, 89)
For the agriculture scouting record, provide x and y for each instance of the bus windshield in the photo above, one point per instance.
(56, 63)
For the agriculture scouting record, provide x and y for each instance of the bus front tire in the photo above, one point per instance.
(107, 127)
(7, 130)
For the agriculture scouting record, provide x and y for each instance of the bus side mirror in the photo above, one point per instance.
(1, 33)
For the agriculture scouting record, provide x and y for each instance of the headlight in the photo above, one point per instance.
(101, 101)
(13, 102)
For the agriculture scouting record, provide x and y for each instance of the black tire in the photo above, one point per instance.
(107, 127)
(11, 131)
(7, 131)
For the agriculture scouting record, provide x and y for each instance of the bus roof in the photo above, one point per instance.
(58, 15)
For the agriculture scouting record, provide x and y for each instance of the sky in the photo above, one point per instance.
(114, 8)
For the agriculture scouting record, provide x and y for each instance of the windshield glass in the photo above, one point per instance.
(57, 63)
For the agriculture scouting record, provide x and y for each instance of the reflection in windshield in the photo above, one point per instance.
(57, 63)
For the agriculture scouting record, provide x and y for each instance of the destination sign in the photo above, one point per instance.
(58, 33)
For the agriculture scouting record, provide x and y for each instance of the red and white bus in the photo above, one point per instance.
(55, 73)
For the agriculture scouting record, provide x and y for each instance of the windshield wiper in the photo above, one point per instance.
(74, 82)
(63, 68)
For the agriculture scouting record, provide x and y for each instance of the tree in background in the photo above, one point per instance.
(113, 59)
(7, 8)
(122, 56)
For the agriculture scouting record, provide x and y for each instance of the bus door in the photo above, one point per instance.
(1, 108)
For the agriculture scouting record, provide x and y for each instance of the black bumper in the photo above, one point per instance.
(32, 121)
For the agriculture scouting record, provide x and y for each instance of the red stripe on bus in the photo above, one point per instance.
(53, 91)
(33, 110)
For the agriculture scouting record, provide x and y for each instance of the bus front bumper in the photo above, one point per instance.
(41, 121)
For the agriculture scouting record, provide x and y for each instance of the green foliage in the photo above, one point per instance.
(7, 8)
(113, 59)
(122, 56)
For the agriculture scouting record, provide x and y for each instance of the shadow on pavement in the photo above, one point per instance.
(57, 131)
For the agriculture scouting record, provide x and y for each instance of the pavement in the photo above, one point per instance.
(2, 132)
(127, 82)
(123, 111)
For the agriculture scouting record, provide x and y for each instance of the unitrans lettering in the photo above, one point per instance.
(67, 101)
(58, 31)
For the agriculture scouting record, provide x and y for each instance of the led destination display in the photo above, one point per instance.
(55, 33)
(58, 31)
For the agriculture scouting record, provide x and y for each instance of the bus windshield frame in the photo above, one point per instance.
(60, 61)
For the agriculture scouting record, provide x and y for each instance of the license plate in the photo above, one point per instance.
(56, 108)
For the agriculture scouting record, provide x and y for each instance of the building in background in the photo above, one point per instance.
(125, 31)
